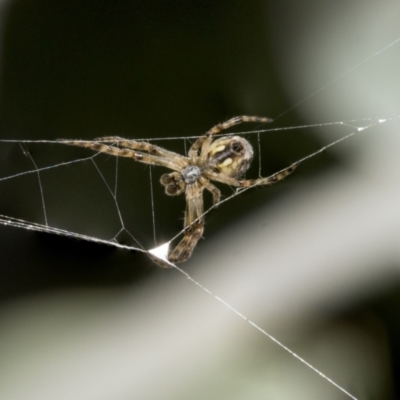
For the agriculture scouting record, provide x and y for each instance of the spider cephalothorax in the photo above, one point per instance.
(230, 156)
(223, 160)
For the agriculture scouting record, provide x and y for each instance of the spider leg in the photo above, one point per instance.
(236, 121)
(204, 141)
(127, 152)
(142, 146)
(270, 180)
(216, 193)
(194, 224)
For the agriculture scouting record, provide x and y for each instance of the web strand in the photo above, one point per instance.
(264, 332)
(153, 216)
(39, 182)
(322, 88)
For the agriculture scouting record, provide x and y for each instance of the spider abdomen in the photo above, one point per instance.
(230, 156)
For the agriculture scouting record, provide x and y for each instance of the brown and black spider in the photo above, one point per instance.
(223, 160)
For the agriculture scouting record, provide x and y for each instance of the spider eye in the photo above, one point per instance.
(237, 147)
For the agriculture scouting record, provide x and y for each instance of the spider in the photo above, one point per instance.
(223, 160)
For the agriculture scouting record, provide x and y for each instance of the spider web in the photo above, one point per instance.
(160, 251)
(110, 180)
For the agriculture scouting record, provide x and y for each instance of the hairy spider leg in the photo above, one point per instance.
(204, 141)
